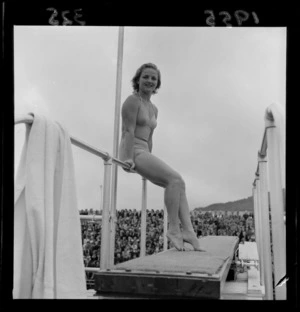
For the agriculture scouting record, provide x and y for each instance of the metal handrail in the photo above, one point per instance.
(268, 192)
(28, 119)
(105, 261)
(91, 217)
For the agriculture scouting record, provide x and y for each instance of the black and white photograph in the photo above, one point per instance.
(147, 153)
(151, 159)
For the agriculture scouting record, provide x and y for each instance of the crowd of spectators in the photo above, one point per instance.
(127, 237)
(228, 225)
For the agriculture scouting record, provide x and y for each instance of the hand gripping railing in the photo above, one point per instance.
(268, 194)
(107, 245)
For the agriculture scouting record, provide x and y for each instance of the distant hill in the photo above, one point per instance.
(238, 205)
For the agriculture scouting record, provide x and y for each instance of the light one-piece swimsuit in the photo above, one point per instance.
(141, 143)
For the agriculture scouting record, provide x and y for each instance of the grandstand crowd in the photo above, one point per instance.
(127, 238)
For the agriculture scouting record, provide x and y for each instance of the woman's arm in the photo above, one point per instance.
(129, 115)
(150, 141)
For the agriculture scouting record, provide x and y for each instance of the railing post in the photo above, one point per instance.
(258, 237)
(116, 145)
(106, 219)
(261, 243)
(277, 211)
(165, 228)
(143, 218)
(265, 227)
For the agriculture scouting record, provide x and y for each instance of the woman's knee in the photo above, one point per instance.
(177, 180)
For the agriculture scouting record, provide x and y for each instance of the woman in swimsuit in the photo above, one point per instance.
(139, 117)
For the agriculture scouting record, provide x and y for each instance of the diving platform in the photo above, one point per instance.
(172, 273)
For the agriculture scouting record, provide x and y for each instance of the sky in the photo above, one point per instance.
(216, 85)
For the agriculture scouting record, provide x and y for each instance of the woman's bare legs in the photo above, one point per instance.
(172, 202)
(158, 172)
(188, 233)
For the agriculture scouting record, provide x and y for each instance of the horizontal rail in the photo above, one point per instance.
(90, 149)
(104, 155)
(90, 217)
(24, 119)
(92, 269)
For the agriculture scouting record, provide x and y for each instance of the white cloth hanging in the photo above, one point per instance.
(48, 256)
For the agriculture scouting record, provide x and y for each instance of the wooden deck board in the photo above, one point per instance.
(217, 250)
(172, 273)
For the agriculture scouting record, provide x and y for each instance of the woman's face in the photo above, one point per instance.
(148, 80)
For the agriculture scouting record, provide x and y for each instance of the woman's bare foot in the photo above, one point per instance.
(191, 238)
(176, 239)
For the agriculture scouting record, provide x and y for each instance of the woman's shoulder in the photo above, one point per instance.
(131, 101)
(133, 97)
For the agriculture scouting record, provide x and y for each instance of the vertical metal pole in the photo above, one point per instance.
(259, 219)
(266, 240)
(101, 197)
(101, 213)
(116, 143)
(105, 228)
(143, 219)
(277, 212)
(258, 237)
(165, 228)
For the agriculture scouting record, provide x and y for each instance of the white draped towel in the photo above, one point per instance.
(48, 257)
